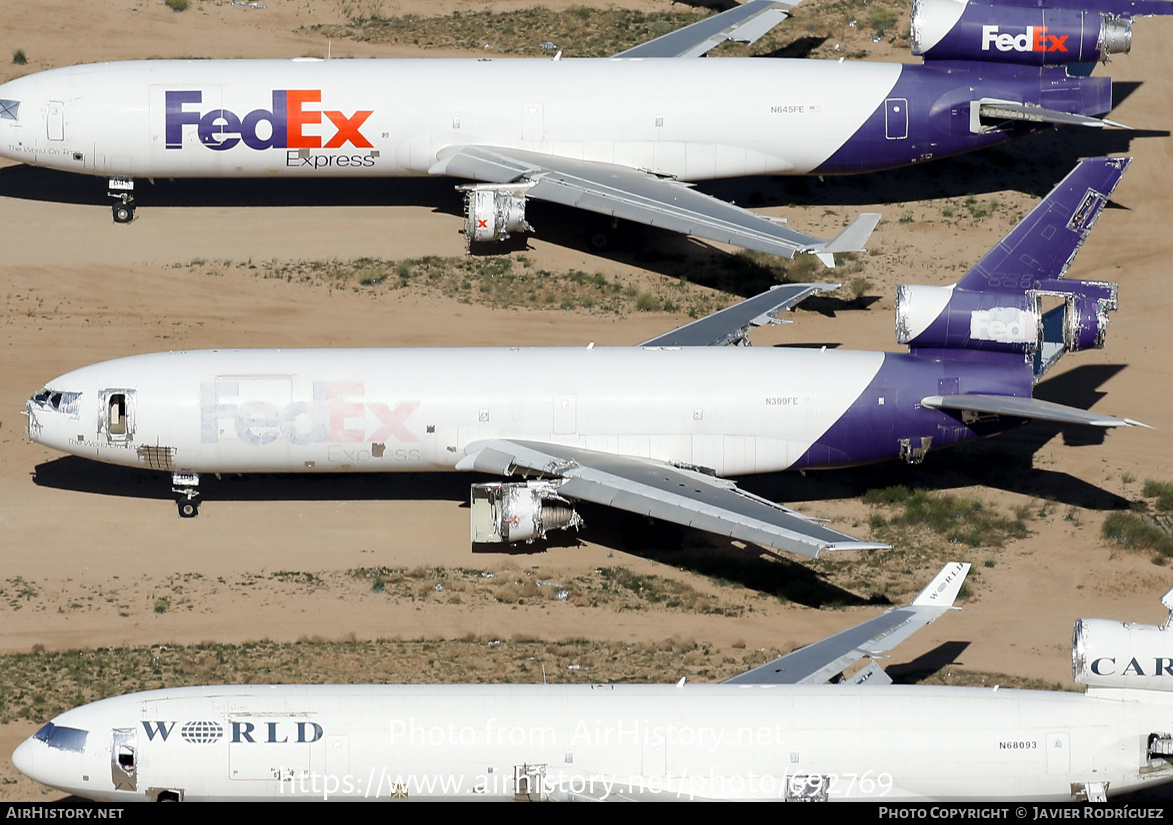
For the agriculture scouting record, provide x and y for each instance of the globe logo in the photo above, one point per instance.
(201, 733)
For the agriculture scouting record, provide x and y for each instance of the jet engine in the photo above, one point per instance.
(494, 211)
(1026, 35)
(1109, 654)
(508, 512)
(947, 317)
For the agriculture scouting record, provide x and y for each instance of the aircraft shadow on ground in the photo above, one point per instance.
(84, 476)
(927, 664)
(1032, 165)
(1006, 463)
(749, 565)
(657, 250)
(32, 183)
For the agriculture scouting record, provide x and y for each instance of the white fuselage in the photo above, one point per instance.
(706, 742)
(732, 409)
(692, 119)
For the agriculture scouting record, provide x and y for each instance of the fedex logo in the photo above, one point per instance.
(337, 413)
(1036, 39)
(291, 123)
(1006, 325)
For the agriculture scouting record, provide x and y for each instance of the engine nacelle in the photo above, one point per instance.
(1085, 321)
(494, 211)
(947, 317)
(1027, 34)
(507, 512)
(944, 317)
(1109, 654)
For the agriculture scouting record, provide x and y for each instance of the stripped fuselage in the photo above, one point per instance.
(731, 410)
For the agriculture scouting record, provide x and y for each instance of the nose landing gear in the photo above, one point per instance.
(186, 485)
(122, 189)
(124, 212)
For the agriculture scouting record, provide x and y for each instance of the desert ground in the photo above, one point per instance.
(78, 289)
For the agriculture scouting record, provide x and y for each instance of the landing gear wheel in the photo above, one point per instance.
(188, 509)
(600, 241)
(123, 213)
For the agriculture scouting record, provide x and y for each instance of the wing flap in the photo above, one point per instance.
(818, 662)
(742, 24)
(731, 325)
(1032, 408)
(663, 491)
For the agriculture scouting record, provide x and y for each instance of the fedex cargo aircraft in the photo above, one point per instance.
(648, 429)
(624, 136)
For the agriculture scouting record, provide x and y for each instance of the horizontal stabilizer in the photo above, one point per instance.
(851, 239)
(1030, 113)
(670, 493)
(1030, 408)
(731, 325)
(741, 24)
(823, 660)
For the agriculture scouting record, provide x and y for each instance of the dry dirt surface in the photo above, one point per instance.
(87, 551)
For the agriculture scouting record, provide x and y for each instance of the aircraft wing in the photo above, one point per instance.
(652, 488)
(821, 661)
(731, 325)
(741, 24)
(1024, 408)
(643, 198)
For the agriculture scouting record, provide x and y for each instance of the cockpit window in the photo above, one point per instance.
(62, 402)
(8, 109)
(62, 738)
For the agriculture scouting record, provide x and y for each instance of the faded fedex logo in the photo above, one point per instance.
(338, 413)
(295, 121)
(1035, 39)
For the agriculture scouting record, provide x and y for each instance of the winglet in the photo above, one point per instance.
(943, 589)
(851, 239)
(825, 659)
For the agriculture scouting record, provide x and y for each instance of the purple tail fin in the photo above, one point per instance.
(999, 305)
(1045, 242)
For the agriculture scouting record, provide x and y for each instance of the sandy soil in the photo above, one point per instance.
(78, 289)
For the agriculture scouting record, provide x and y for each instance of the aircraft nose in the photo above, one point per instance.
(22, 758)
(32, 427)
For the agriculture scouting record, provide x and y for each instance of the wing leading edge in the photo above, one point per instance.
(640, 197)
(675, 494)
(874, 638)
(741, 24)
(731, 325)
